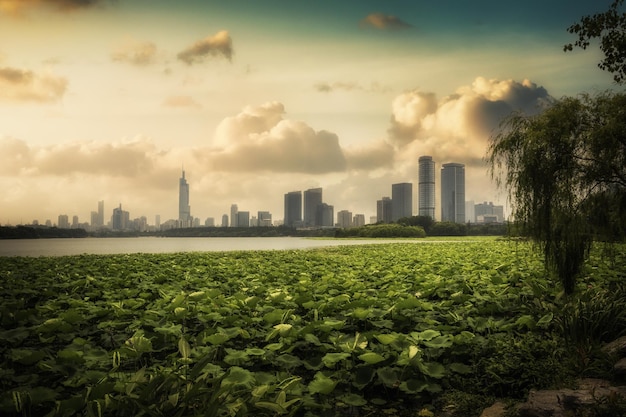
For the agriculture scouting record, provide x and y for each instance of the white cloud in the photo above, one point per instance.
(216, 45)
(135, 53)
(19, 85)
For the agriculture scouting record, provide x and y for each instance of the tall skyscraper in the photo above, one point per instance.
(234, 219)
(401, 200)
(325, 215)
(293, 209)
(243, 219)
(184, 210)
(344, 219)
(120, 219)
(100, 218)
(453, 193)
(426, 187)
(312, 199)
(383, 210)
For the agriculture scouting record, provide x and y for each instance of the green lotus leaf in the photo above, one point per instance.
(321, 384)
(331, 359)
(371, 358)
(238, 378)
(354, 400)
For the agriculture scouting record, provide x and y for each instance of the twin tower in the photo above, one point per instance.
(452, 190)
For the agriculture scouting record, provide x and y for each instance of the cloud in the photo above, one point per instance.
(16, 7)
(23, 86)
(383, 21)
(180, 102)
(216, 45)
(135, 53)
(259, 139)
(119, 159)
(457, 128)
(370, 157)
(326, 87)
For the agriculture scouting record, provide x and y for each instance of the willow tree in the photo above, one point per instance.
(565, 173)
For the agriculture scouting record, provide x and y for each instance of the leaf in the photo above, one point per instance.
(184, 348)
(460, 368)
(545, 320)
(426, 334)
(321, 384)
(371, 358)
(387, 339)
(354, 400)
(331, 359)
(362, 376)
(238, 377)
(388, 376)
(432, 369)
(217, 338)
(439, 342)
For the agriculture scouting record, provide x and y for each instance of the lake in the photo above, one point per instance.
(101, 246)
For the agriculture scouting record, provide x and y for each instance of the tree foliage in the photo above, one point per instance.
(610, 28)
(565, 171)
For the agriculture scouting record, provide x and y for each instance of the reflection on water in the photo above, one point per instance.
(61, 247)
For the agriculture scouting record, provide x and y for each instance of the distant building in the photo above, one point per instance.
(209, 222)
(384, 210)
(243, 219)
(64, 222)
(293, 209)
(373, 219)
(325, 215)
(100, 221)
(184, 210)
(470, 212)
(75, 222)
(312, 199)
(157, 221)
(401, 200)
(453, 193)
(264, 218)
(344, 219)
(224, 220)
(233, 215)
(120, 219)
(426, 187)
(358, 220)
(489, 213)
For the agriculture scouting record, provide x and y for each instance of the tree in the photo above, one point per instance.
(610, 28)
(565, 171)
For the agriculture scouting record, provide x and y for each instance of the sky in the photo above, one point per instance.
(111, 99)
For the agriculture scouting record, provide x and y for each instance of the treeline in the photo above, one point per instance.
(382, 230)
(29, 232)
(277, 231)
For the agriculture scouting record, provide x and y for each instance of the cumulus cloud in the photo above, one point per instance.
(458, 127)
(326, 87)
(369, 157)
(23, 85)
(16, 7)
(259, 139)
(135, 53)
(119, 159)
(216, 45)
(181, 102)
(383, 21)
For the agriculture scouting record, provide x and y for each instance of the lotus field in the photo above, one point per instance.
(355, 330)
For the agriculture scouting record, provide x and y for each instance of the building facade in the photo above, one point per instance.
(383, 210)
(401, 200)
(233, 215)
(426, 187)
(325, 215)
(312, 199)
(293, 209)
(184, 210)
(344, 219)
(453, 193)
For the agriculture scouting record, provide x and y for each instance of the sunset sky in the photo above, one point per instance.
(108, 100)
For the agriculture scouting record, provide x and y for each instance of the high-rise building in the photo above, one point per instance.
(358, 220)
(184, 210)
(100, 222)
(209, 222)
(485, 210)
(312, 199)
(264, 218)
(383, 210)
(426, 187)
(293, 209)
(224, 220)
(453, 193)
(344, 219)
(120, 219)
(243, 219)
(64, 221)
(233, 215)
(401, 200)
(325, 215)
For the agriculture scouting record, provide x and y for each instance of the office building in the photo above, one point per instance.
(401, 201)
(344, 219)
(64, 221)
(184, 210)
(358, 220)
(209, 222)
(233, 215)
(488, 213)
(224, 220)
(243, 219)
(120, 219)
(312, 199)
(325, 215)
(264, 219)
(426, 187)
(383, 210)
(293, 209)
(453, 193)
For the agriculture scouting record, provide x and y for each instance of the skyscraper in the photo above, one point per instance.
(184, 210)
(325, 215)
(426, 187)
(401, 200)
(312, 199)
(344, 219)
(293, 209)
(383, 210)
(234, 219)
(100, 218)
(453, 193)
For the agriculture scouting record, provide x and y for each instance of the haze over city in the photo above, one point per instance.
(109, 100)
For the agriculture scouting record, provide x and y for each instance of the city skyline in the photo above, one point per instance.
(257, 98)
